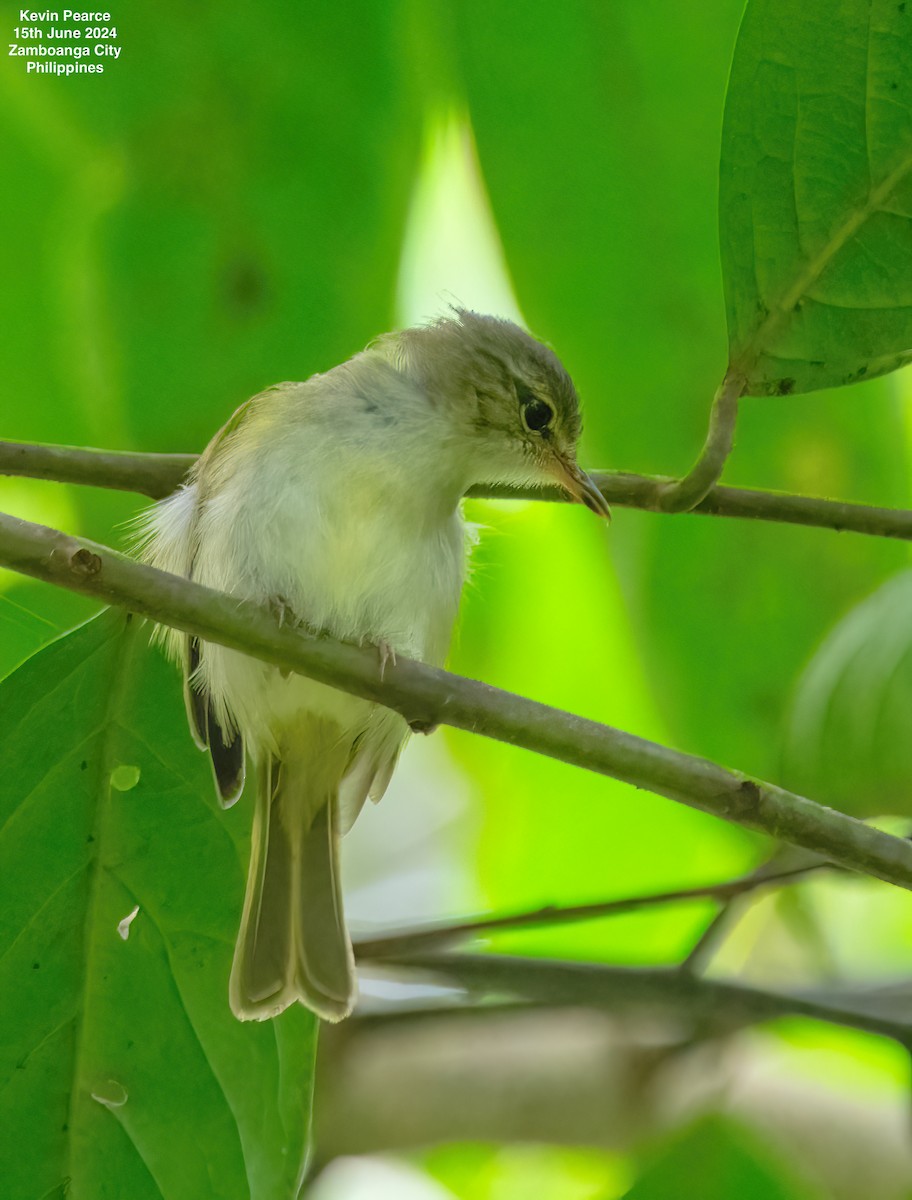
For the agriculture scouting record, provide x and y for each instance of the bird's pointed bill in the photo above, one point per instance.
(580, 486)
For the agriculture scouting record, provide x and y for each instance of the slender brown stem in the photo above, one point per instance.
(439, 936)
(684, 494)
(713, 934)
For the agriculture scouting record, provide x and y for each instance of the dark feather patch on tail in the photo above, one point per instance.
(227, 762)
(226, 753)
(197, 708)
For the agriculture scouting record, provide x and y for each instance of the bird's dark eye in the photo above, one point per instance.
(537, 414)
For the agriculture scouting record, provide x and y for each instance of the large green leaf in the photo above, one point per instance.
(32, 614)
(122, 1070)
(816, 193)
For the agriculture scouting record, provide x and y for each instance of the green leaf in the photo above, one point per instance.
(122, 1070)
(715, 1160)
(816, 193)
(847, 734)
(33, 614)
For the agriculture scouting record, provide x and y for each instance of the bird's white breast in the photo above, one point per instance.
(334, 511)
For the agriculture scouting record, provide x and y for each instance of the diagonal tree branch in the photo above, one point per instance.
(427, 696)
(714, 1004)
(437, 937)
(157, 475)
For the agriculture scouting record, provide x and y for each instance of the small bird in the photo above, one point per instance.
(337, 502)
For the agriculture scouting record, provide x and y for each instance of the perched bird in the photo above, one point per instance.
(337, 501)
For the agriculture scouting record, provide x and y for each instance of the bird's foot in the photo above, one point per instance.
(284, 615)
(387, 655)
(282, 611)
(385, 652)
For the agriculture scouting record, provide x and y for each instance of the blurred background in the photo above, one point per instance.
(251, 194)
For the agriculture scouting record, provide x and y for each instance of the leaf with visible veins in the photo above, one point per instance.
(816, 194)
(122, 1070)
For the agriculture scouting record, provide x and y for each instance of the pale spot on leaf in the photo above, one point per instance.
(123, 927)
(111, 1094)
(124, 777)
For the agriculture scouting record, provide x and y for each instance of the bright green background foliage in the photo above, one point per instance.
(226, 207)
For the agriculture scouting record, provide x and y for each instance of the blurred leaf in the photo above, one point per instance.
(545, 618)
(121, 1067)
(847, 734)
(614, 111)
(816, 196)
(728, 612)
(716, 1160)
(795, 907)
(474, 1171)
(597, 128)
(185, 233)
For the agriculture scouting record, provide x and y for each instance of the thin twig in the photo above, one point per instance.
(785, 862)
(157, 475)
(443, 935)
(427, 696)
(684, 494)
(703, 949)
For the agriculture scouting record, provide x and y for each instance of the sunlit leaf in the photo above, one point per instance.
(816, 193)
(122, 1070)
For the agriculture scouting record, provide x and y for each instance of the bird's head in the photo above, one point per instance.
(511, 395)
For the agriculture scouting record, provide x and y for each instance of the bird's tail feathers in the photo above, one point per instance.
(293, 943)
